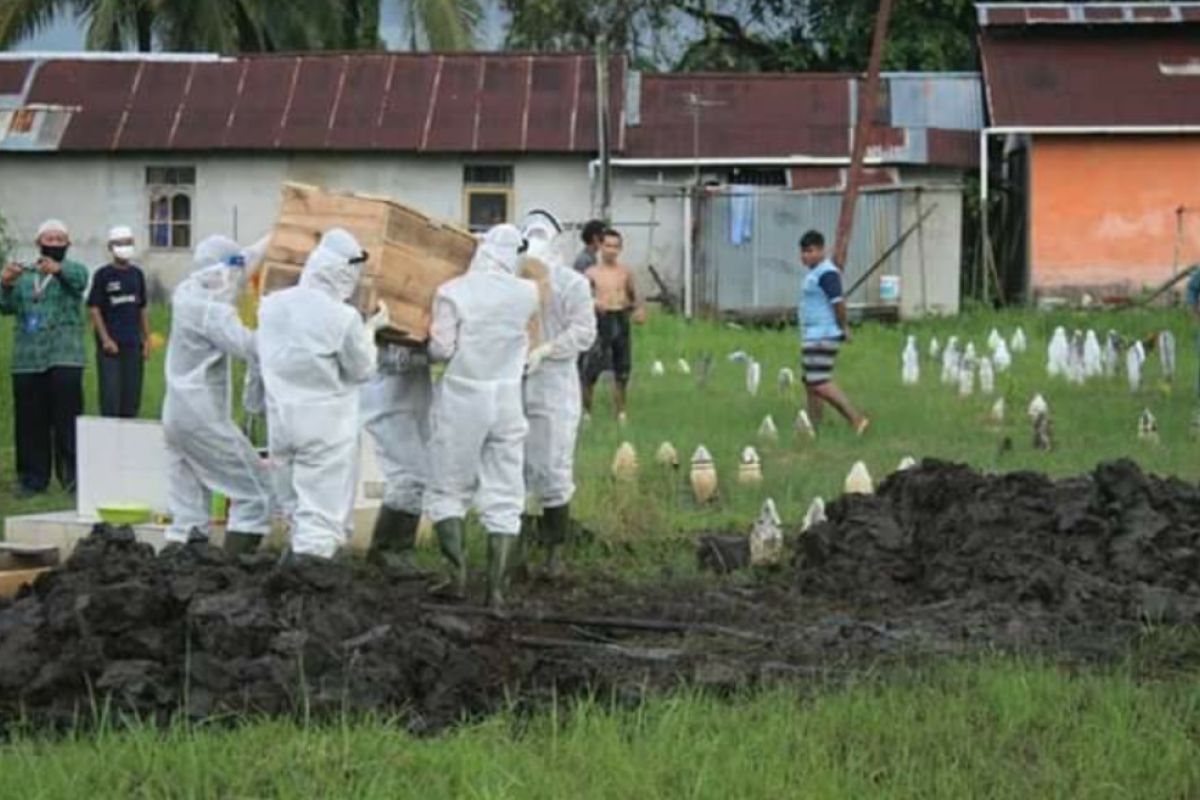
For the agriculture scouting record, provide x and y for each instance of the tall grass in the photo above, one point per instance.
(992, 729)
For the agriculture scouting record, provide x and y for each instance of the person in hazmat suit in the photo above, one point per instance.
(315, 353)
(553, 397)
(394, 411)
(206, 451)
(480, 328)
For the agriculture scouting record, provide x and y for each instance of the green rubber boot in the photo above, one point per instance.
(242, 544)
(500, 547)
(452, 537)
(394, 539)
(556, 525)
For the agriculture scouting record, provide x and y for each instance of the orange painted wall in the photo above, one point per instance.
(1103, 208)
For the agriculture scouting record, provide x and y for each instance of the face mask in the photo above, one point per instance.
(125, 252)
(55, 252)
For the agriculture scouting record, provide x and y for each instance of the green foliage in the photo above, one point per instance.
(755, 35)
(230, 26)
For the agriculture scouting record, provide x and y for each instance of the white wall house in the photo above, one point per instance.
(180, 147)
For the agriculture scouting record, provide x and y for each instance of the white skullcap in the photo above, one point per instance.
(53, 225)
(118, 232)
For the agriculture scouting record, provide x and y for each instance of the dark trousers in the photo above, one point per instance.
(46, 405)
(120, 381)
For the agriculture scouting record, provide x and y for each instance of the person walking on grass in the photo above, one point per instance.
(824, 328)
(616, 304)
(46, 297)
(117, 304)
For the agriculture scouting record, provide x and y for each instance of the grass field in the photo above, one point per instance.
(1092, 423)
(997, 728)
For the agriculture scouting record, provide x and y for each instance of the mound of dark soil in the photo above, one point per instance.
(941, 561)
(193, 630)
(1115, 545)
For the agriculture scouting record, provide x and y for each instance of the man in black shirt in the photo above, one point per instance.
(117, 304)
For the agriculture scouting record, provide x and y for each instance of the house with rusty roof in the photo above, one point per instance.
(712, 178)
(1093, 142)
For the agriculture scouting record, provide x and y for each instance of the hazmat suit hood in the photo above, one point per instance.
(219, 268)
(335, 265)
(500, 250)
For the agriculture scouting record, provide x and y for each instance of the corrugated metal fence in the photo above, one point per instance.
(748, 247)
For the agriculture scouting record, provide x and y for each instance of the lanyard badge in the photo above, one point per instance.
(39, 287)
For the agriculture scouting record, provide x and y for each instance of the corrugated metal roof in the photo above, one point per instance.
(439, 103)
(12, 76)
(764, 115)
(1014, 14)
(1110, 77)
(742, 116)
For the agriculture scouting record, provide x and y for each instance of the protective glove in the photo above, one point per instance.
(380, 319)
(536, 356)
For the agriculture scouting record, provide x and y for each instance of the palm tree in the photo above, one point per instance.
(442, 24)
(228, 26)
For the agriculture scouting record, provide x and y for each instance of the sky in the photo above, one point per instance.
(66, 34)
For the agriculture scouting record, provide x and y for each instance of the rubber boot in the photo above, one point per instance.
(451, 536)
(556, 524)
(242, 544)
(500, 547)
(394, 539)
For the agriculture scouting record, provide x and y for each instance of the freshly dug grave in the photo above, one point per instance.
(1117, 545)
(942, 560)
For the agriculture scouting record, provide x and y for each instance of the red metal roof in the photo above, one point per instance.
(1023, 14)
(12, 76)
(743, 116)
(782, 115)
(1104, 77)
(438, 103)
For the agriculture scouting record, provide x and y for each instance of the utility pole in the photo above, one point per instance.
(602, 132)
(868, 102)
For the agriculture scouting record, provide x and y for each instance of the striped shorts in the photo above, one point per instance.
(818, 359)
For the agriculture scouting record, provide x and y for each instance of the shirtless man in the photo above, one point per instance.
(616, 304)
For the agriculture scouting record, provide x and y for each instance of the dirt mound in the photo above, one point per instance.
(1115, 545)
(943, 560)
(196, 631)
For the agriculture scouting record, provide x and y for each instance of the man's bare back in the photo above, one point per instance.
(613, 285)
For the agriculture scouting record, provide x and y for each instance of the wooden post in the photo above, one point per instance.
(862, 129)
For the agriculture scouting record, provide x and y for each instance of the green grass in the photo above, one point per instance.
(993, 729)
(1092, 423)
(996, 728)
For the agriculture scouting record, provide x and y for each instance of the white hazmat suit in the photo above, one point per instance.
(479, 327)
(553, 397)
(394, 412)
(206, 451)
(315, 354)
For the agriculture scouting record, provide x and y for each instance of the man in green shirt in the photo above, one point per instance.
(46, 297)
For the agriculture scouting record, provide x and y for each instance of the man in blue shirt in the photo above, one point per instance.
(823, 330)
(1193, 303)
(117, 304)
